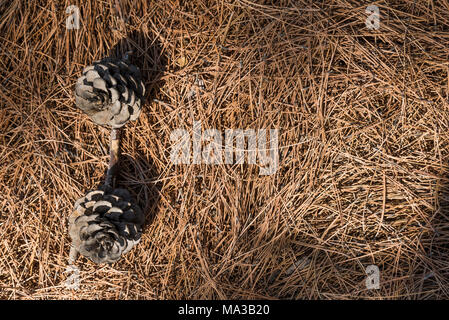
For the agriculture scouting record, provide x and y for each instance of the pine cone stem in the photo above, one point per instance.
(114, 152)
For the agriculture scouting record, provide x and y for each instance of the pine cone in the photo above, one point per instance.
(110, 92)
(105, 225)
